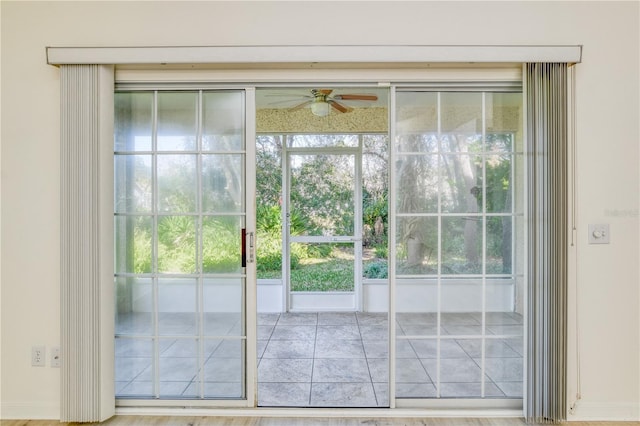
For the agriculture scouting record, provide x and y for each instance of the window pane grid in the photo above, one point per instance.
(491, 159)
(176, 210)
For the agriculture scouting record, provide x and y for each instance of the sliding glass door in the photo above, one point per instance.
(457, 247)
(180, 244)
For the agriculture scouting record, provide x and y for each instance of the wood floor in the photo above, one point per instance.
(293, 421)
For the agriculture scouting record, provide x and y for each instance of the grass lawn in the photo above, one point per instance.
(332, 273)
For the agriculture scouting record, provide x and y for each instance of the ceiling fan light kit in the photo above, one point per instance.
(320, 108)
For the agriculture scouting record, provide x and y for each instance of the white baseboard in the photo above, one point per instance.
(605, 411)
(29, 411)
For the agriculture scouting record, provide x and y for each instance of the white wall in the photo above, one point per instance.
(607, 129)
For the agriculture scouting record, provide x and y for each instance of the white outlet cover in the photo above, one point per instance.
(38, 356)
(599, 233)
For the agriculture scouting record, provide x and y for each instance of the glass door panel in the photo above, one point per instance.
(179, 221)
(457, 209)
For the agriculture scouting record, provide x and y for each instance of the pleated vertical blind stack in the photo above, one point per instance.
(86, 370)
(547, 135)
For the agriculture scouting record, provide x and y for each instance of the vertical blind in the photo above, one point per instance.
(86, 243)
(547, 261)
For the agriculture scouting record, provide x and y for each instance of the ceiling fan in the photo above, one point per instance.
(321, 101)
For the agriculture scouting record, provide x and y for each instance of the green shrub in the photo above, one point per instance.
(376, 270)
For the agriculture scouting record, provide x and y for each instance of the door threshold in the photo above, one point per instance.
(322, 412)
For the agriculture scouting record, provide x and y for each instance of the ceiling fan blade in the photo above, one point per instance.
(288, 101)
(300, 106)
(339, 107)
(348, 97)
(325, 91)
(287, 95)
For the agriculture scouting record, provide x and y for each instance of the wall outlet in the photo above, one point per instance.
(55, 357)
(38, 356)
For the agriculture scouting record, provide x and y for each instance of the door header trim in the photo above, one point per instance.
(316, 54)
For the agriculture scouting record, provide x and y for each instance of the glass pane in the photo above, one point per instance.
(176, 244)
(177, 306)
(413, 380)
(419, 317)
(461, 143)
(177, 183)
(461, 375)
(499, 245)
(417, 250)
(375, 172)
(462, 245)
(133, 118)
(223, 300)
(322, 267)
(315, 141)
(416, 112)
(504, 115)
(461, 113)
(499, 180)
(134, 306)
(268, 205)
(461, 306)
(461, 190)
(499, 143)
(269, 243)
(223, 183)
(421, 142)
(322, 195)
(133, 248)
(505, 371)
(133, 186)
(177, 121)
(178, 367)
(221, 244)
(417, 183)
(133, 367)
(223, 369)
(222, 121)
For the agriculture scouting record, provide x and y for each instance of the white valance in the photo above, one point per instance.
(346, 54)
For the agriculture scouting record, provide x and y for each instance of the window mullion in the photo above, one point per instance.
(484, 247)
(154, 246)
(439, 267)
(199, 247)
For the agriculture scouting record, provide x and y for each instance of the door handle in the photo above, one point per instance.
(251, 248)
(243, 247)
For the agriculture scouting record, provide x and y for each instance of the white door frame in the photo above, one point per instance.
(314, 301)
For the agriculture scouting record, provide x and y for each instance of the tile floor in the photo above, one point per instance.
(330, 359)
(324, 359)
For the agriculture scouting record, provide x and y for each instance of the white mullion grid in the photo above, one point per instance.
(199, 248)
(484, 247)
(154, 247)
(248, 317)
(514, 214)
(357, 228)
(391, 249)
(439, 267)
(286, 250)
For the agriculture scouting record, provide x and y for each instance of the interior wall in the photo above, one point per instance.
(606, 276)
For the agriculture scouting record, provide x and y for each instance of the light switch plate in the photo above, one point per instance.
(599, 234)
